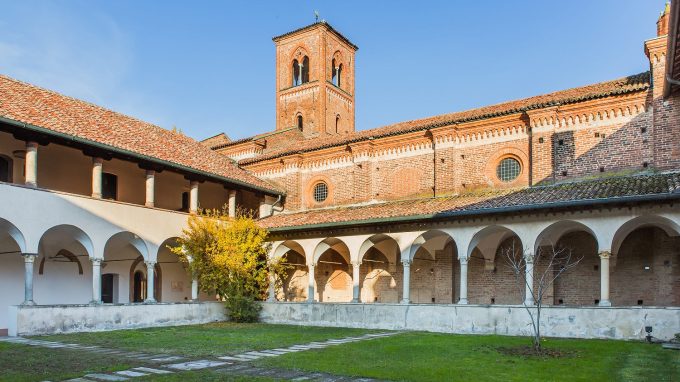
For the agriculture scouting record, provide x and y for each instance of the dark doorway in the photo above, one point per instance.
(107, 288)
(139, 287)
(109, 186)
(5, 169)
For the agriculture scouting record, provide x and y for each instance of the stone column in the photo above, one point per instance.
(31, 162)
(194, 289)
(463, 300)
(310, 283)
(300, 65)
(529, 279)
(232, 203)
(356, 282)
(407, 282)
(97, 167)
(604, 279)
(29, 259)
(193, 197)
(150, 200)
(150, 272)
(96, 281)
(272, 287)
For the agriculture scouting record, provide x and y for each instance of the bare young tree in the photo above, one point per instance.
(556, 261)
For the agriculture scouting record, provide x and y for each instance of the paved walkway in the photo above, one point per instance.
(233, 364)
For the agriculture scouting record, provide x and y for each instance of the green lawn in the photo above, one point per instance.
(202, 376)
(419, 356)
(30, 363)
(207, 340)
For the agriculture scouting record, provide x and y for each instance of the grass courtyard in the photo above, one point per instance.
(409, 356)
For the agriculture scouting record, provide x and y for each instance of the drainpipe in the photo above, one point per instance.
(277, 202)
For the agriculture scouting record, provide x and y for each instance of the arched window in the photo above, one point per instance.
(339, 75)
(305, 70)
(337, 124)
(5, 169)
(508, 169)
(299, 122)
(296, 73)
(320, 192)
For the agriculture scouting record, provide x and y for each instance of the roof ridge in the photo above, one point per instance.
(457, 116)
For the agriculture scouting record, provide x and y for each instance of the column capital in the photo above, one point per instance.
(149, 263)
(463, 260)
(529, 257)
(96, 261)
(31, 144)
(605, 254)
(29, 257)
(356, 263)
(407, 262)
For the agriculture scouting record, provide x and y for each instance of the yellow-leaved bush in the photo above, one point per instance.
(228, 257)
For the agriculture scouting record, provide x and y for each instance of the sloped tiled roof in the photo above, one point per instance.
(624, 85)
(216, 140)
(310, 26)
(45, 109)
(589, 192)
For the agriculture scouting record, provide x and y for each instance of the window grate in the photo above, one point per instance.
(320, 192)
(508, 169)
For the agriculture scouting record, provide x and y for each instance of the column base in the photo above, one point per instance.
(271, 299)
(604, 303)
(355, 300)
(150, 205)
(95, 302)
(529, 302)
(28, 303)
(463, 301)
(150, 301)
(405, 301)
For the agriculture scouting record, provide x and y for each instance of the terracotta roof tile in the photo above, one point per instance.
(624, 85)
(29, 104)
(590, 192)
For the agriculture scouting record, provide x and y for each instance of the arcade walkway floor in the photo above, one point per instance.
(260, 352)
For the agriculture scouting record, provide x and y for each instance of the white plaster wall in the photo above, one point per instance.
(175, 278)
(11, 282)
(60, 283)
(35, 320)
(593, 322)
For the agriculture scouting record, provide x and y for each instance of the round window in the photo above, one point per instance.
(508, 169)
(320, 192)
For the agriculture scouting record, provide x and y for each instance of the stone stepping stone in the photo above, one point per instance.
(230, 358)
(152, 371)
(245, 357)
(274, 352)
(195, 365)
(131, 373)
(79, 380)
(106, 377)
(167, 358)
(286, 350)
(260, 354)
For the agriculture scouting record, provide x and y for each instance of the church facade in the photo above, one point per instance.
(406, 226)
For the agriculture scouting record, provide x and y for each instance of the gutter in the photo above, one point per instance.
(485, 211)
(133, 154)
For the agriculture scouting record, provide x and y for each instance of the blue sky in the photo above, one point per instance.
(208, 66)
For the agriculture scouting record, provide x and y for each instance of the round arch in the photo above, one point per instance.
(10, 231)
(488, 239)
(284, 247)
(431, 239)
(552, 234)
(65, 236)
(123, 239)
(670, 227)
(333, 243)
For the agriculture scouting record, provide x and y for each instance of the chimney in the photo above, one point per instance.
(662, 23)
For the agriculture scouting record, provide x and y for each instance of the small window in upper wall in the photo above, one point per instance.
(508, 169)
(337, 124)
(320, 192)
(185, 201)
(299, 122)
(109, 186)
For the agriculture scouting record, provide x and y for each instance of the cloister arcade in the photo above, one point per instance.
(625, 260)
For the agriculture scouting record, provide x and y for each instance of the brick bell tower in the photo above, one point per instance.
(315, 81)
